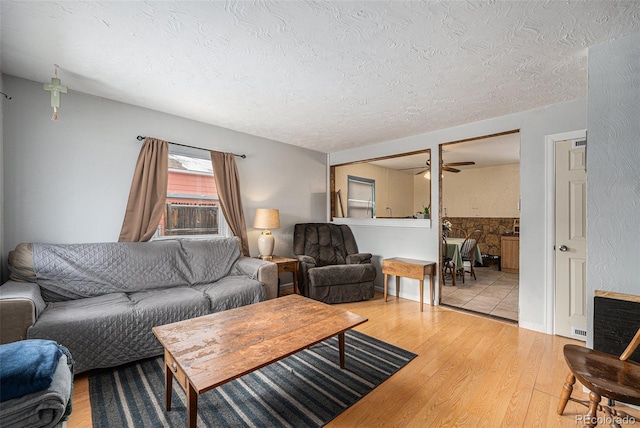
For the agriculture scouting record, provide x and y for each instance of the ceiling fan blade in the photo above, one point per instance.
(447, 168)
(422, 172)
(459, 163)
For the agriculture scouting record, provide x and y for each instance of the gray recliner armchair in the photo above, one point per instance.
(331, 268)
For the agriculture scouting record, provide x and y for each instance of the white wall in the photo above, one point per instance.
(423, 243)
(482, 192)
(613, 170)
(68, 181)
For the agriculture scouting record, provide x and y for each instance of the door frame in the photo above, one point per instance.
(550, 222)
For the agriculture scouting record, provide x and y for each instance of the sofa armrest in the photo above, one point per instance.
(358, 258)
(20, 306)
(264, 271)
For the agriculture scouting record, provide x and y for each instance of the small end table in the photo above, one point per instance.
(286, 264)
(416, 269)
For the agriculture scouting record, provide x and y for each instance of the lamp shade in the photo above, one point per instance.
(267, 218)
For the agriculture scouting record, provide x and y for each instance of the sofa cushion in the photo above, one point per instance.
(21, 263)
(113, 329)
(77, 271)
(232, 292)
(160, 307)
(83, 325)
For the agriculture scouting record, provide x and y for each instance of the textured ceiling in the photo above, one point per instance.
(326, 75)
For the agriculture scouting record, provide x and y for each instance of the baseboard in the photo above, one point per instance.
(286, 286)
(541, 328)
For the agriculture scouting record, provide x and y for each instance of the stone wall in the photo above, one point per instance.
(492, 228)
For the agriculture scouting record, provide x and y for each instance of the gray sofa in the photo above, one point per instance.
(101, 300)
(332, 270)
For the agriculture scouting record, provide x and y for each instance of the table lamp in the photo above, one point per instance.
(266, 218)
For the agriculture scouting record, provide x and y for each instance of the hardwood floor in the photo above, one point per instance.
(470, 371)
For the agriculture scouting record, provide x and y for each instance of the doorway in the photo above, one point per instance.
(480, 191)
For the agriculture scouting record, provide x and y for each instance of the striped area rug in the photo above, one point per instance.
(307, 389)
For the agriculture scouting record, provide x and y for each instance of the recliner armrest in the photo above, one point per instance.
(306, 259)
(20, 306)
(358, 258)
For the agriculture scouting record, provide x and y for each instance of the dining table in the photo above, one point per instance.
(454, 248)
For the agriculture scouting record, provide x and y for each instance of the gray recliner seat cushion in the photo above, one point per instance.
(342, 283)
(113, 329)
(341, 274)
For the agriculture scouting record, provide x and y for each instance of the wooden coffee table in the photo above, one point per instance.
(205, 352)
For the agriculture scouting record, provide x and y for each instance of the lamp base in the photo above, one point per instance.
(266, 243)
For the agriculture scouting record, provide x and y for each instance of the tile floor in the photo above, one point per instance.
(493, 292)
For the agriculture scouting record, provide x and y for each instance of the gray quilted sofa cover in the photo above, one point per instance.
(101, 300)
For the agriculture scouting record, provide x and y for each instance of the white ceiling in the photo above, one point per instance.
(326, 75)
(485, 152)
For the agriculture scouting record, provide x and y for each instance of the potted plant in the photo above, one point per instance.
(426, 211)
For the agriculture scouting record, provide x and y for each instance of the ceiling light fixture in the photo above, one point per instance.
(55, 87)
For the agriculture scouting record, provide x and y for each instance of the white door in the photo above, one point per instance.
(571, 239)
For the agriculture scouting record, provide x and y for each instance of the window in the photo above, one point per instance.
(192, 207)
(361, 202)
(400, 187)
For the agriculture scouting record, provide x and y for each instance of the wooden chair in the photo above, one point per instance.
(605, 375)
(447, 262)
(457, 232)
(467, 251)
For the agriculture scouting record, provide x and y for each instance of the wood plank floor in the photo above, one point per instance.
(470, 372)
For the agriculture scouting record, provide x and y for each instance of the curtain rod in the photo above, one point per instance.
(141, 138)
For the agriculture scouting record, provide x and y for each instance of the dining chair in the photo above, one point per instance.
(457, 232)
(447, 262)
(467, 251)
(605, 375)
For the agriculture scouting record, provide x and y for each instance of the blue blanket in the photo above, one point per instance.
(27, 366)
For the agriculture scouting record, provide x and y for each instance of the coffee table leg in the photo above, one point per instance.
(192, 407)
(421, 295)
(341, 347)
(168, 385)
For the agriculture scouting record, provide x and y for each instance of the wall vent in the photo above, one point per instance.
(579, 143)
(578, 332)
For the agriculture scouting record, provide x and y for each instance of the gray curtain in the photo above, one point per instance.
(225, 172)
(148, 192)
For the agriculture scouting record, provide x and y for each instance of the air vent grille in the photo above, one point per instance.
(579, 332)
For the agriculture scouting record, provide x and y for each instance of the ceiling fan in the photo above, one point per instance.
(445, 167)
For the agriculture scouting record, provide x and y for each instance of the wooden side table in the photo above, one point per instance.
(409, 268)
(286, 264)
